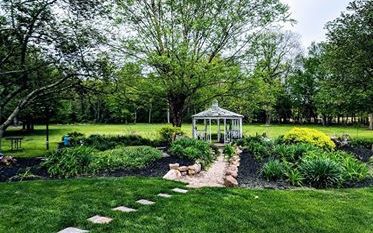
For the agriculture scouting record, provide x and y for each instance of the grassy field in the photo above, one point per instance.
(34, 144)
(49, 206)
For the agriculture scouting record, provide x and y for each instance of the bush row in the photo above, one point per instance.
(83, 160)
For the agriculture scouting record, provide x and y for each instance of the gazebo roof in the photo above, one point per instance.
(216, 112)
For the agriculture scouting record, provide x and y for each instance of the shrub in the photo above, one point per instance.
(311, 136)
(76, 138)
(169, 134)
(229, 151)
(129, 157)
(363, 142)
(103, 142)
(294, 177)
(260, 147)
(193, 149)
(69, 162)
(273, 170)
(293, 152)
(321, 172)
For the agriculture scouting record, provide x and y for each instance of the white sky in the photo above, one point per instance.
(311, 17)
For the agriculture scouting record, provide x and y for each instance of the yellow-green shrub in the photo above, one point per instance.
(311, 136)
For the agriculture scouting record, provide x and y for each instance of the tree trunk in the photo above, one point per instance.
(370, 117)
(150, 114)
(268, 117)
(177, 105)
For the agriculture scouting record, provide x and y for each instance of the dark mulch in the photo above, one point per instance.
(249, 174)
(21, 167)
(360, 152)
(14, 172)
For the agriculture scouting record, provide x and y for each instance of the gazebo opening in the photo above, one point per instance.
(229, 125)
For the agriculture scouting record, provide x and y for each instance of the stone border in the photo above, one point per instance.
(231, 172)
(176, 171)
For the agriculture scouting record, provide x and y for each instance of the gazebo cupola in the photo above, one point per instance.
(232, 124)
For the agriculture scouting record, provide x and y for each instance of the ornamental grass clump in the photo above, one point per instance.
(310, 136)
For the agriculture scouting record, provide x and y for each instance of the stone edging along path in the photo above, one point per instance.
(97, 219)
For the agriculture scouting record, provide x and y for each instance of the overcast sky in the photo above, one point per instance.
(312, 15)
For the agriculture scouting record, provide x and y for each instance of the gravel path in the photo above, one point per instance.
(213, 177)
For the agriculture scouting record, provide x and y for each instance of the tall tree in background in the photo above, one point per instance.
(45, 46)
(185, 46)
(349, 53)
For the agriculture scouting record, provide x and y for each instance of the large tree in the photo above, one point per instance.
(185, 46)
(349, 53)
(45, 46)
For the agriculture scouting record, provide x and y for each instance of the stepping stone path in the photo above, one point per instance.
(124, 209)
(178, 190)
(72, 230)
(145, 202)
(164, 195)
(100, 219)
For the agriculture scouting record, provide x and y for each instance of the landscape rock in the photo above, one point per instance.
(183, 169)
(174, 166)
(194, 169)
(7, 160)
(230, 181)
(232, 173)
(184, 173)
(172, 175)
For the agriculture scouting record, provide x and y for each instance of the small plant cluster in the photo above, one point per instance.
(310, 136)
(193, 149)
(304, 163)
(169, 134)
(83, 160)
(107, 142)
(229, 151)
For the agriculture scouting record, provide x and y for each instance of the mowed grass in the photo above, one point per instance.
(34, 143)
(49, 206)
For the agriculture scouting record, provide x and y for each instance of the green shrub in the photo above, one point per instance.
(310, 136)
(363, 142)
(321, 172)
(193, 149)
(129, 157)
(106, 142)
(273, 170)
(260, 147)
(69, 162)
(169, 134)
(292, 152)
(294, 177)
(229, 151)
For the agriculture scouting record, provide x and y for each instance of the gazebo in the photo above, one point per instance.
(232, 124)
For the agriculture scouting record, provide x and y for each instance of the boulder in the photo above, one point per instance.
(194, 169)
(184, 173)
(183, 169)
(231, 173)
(174, 166)
(172, 174)
(7, 160)
(230, 181)
(232, 168)
(191, 172)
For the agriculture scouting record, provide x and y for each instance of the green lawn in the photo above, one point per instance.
(34, 144)
(49, 206)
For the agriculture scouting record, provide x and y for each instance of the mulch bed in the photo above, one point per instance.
(361, 153)
(249, 174)
(14, 172)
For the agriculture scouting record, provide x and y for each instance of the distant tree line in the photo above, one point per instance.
(157, 61)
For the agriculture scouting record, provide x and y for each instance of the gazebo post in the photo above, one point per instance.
(210, 130)
(240, 127)
(205, 131)
(225, 128)
(218, 130)
(194, 126)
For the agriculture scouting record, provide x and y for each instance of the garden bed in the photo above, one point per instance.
(249, 174)
(157, 168)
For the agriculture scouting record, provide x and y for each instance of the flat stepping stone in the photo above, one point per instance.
(97, 219)
(178, 190)
(145, 202)
(124, 209)
(72, 230)
(164, 195)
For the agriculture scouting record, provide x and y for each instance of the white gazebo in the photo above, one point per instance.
(232, 124)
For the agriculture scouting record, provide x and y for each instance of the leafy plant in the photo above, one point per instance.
(292, 152)
(229, 151)
(310, 136)
(104, 142)
(129, 157)
(76, 138)
(321, 172)
(169, 134)
(273, 170)
(69, 162)
(294, 177)
(193, 149)
(363, 142)
(259, 146)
